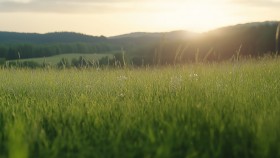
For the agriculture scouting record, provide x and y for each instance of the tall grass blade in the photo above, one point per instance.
(197, 56)
(277, 38)
(182, 53)
(208, 54)
(123, 58)
(237, 57)
(178, 50)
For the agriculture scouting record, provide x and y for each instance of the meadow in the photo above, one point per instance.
(228, 109)
(53, 60)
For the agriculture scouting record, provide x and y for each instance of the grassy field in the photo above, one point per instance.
(203, 110)
(53, 60)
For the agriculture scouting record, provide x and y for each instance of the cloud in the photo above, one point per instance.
(69, 6)
(258, 3)
(90, 6)
(116, 6)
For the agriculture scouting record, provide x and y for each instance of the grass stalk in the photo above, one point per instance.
(277, 39)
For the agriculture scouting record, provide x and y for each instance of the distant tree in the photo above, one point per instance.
(75, 62)
(80, 62)
(30, 64)
(2, 61)
(105, 61)
(120, 59)
(64, 63)
(3, 52)
(12, 54)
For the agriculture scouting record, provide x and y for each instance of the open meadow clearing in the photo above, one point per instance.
(228, 110)
(53, 60)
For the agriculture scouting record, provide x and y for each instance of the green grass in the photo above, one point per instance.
(204, 110)
(53, 60)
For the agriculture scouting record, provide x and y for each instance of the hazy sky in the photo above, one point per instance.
(112, 17)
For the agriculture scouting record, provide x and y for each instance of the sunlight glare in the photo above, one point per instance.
(197, 16)
(204, 16)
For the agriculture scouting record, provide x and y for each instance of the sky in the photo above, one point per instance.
(114, 17)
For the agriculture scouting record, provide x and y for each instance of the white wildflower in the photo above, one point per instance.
(193, 76)
(176, 82)
(122, 85)
(121, 95)
(122, 78)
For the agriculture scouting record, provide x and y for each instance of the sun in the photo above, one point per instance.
(198, 16)
(191, 15)
(205, 16)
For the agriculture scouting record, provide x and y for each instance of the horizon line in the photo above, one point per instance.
(186, 30)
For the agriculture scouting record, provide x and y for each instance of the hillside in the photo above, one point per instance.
(54, 60)
(55, 37)
(251, 39)
(32, 45)
(180, 34)
(254, 37)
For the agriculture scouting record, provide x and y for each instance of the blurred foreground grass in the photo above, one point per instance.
(203, 110)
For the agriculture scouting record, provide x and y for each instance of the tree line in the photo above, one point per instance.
(119, 60)
(24, 51)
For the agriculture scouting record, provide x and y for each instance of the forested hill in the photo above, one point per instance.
(31, 45)
(180, 34)
(248, 40)
(56, 37)
(251, 39)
